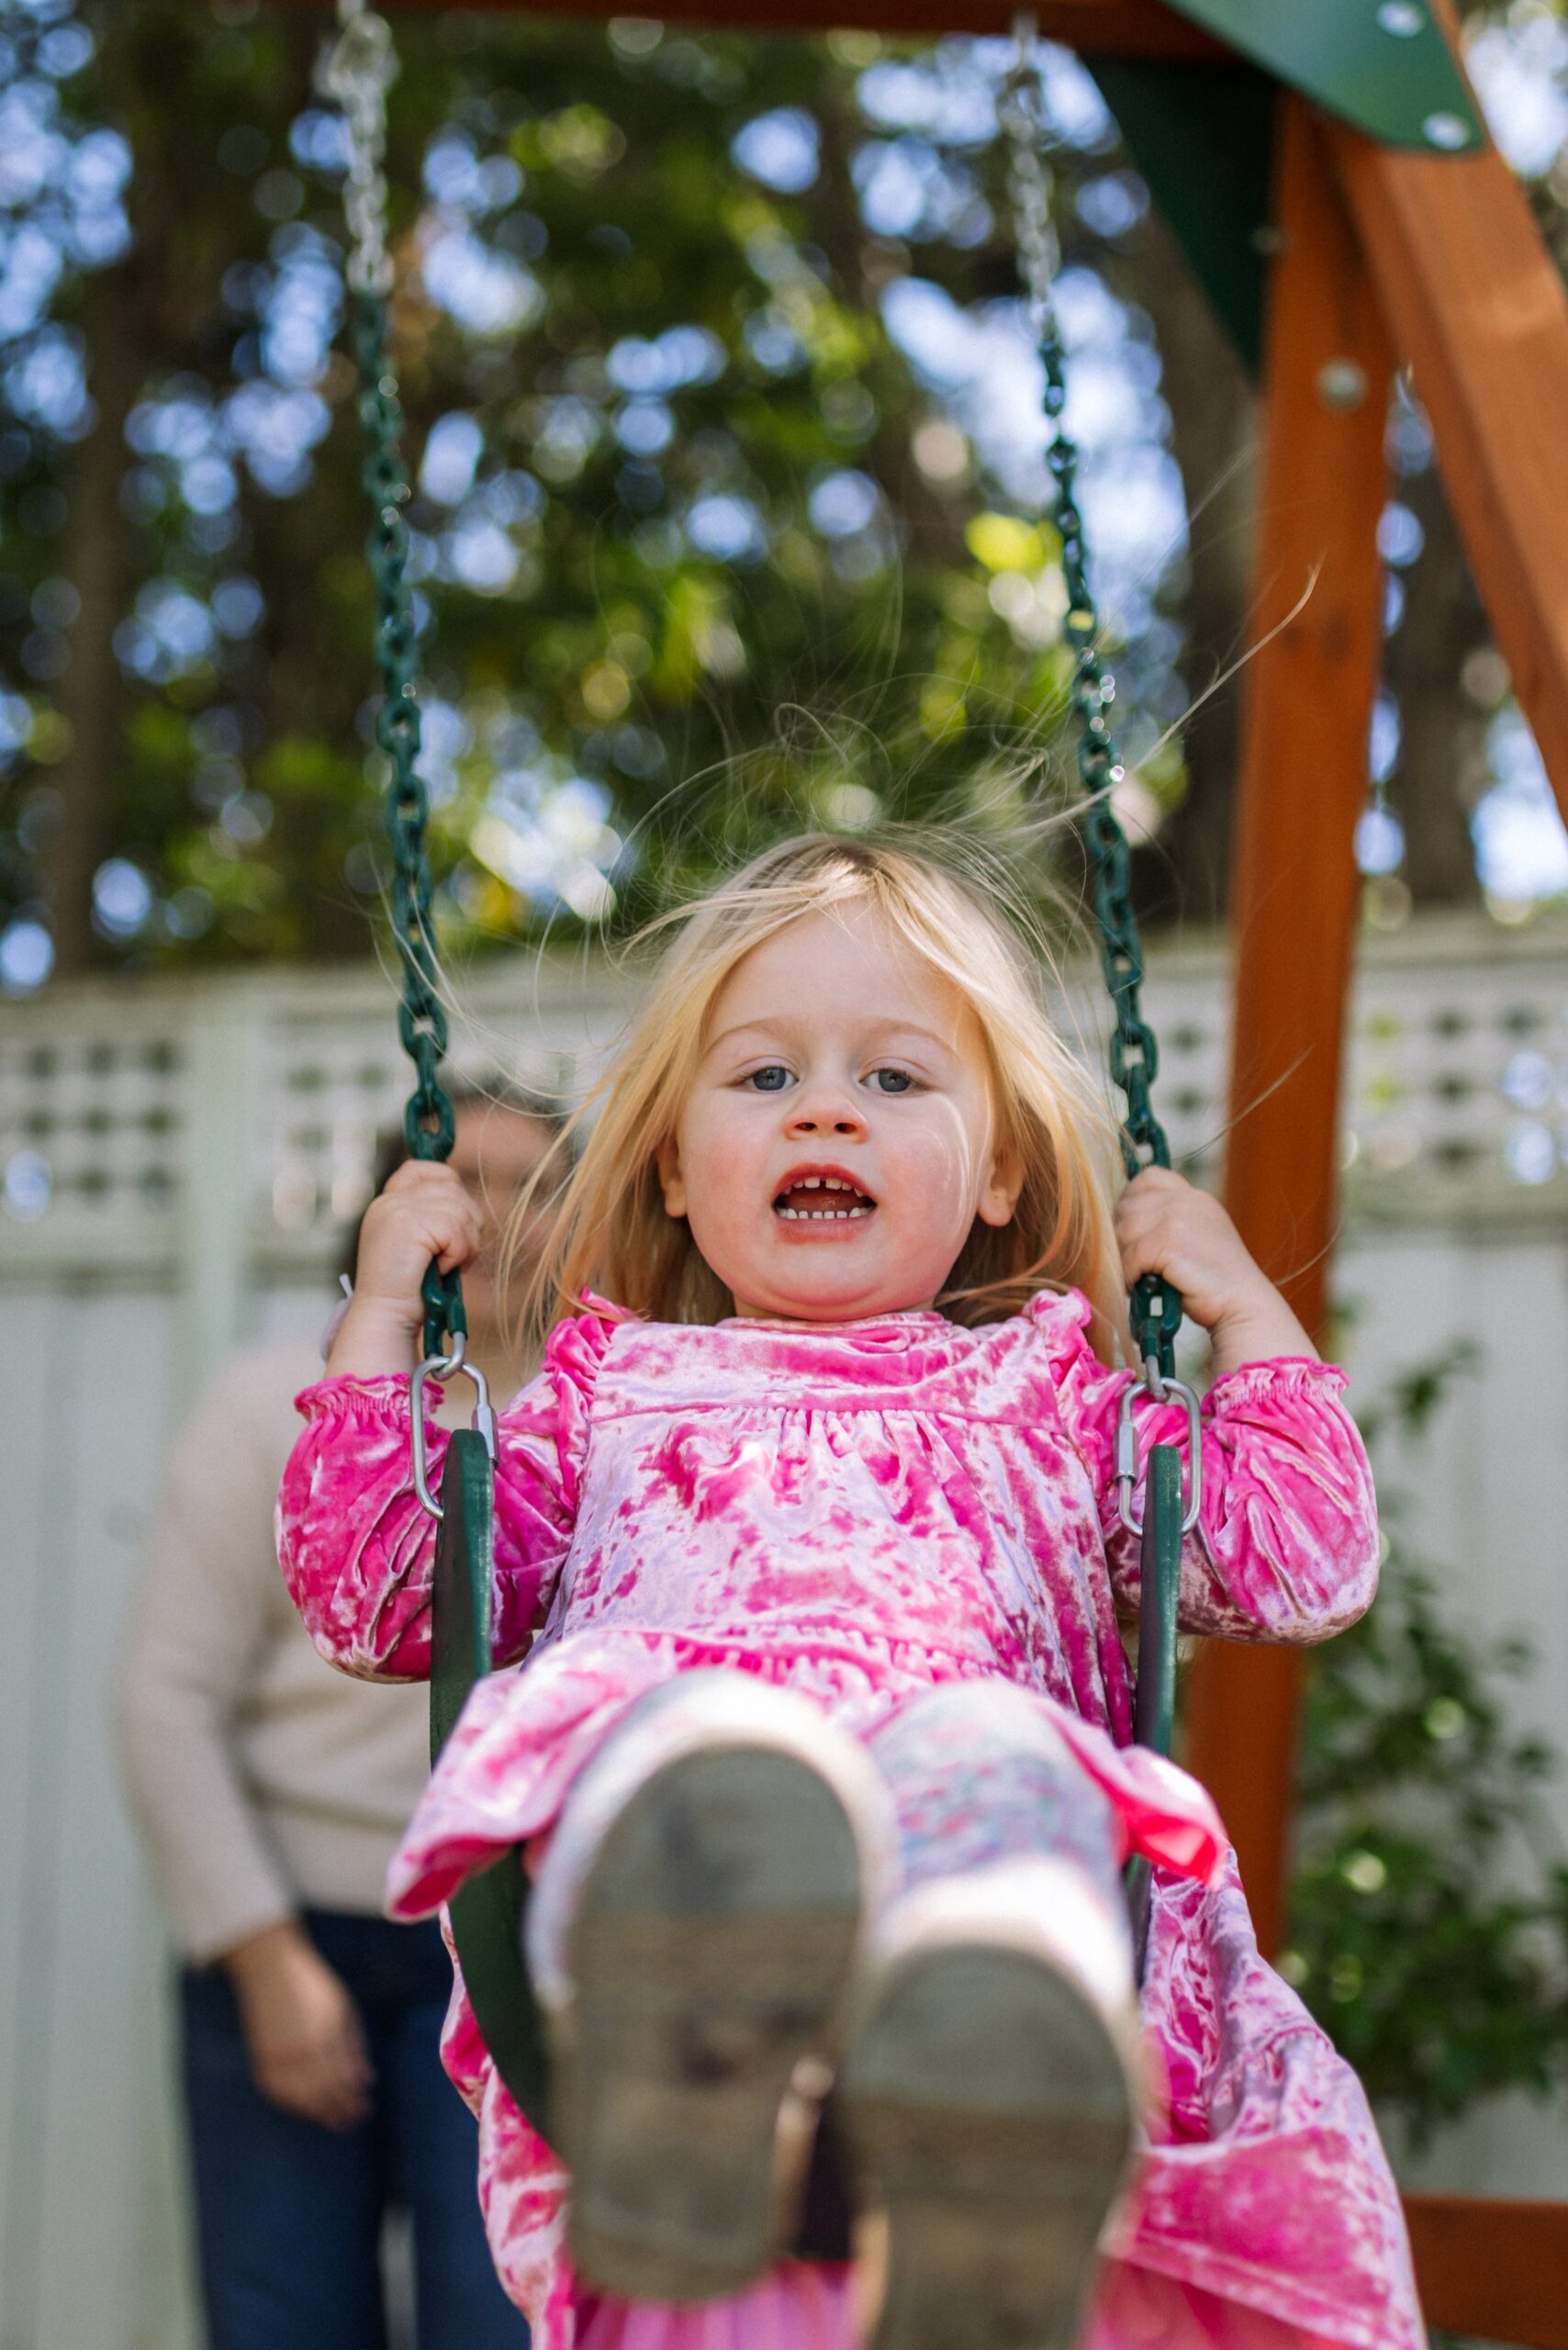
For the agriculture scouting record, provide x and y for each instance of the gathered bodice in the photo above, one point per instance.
(881, 1489)
(879, 1485)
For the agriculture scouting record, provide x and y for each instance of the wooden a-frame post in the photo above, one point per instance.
(1294, 890)
(1441, 260)
(1470, 299)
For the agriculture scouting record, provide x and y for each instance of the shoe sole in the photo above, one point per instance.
(710, 1956)
(991, 2112)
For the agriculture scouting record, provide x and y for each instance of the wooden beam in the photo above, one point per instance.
(1496, 2269)
(1295, 892)
(1098, 27)
(1478, 309)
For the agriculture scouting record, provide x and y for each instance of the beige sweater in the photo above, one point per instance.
(263, 1779)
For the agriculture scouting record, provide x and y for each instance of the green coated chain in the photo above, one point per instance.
(358, 71)
(1155, 1307)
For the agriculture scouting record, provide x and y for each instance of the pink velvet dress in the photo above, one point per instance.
(863, 1512)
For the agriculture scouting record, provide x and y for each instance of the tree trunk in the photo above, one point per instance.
(95, 559)
(1442, 759)
(1183, 875)
(935, 523)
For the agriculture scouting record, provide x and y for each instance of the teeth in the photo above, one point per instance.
(862, 1207)
(823, 1216)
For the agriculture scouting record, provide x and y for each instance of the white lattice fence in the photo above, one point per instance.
(117, 1105)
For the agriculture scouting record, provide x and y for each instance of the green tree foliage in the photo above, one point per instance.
(1430, 1924)
(714, 535)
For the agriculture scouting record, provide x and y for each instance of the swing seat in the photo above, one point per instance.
(488, 1909)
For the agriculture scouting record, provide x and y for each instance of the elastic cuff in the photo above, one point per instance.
(1281, 1374)
(379, 1400)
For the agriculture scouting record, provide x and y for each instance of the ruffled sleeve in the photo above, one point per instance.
(1286, 1545)
(356, 1546)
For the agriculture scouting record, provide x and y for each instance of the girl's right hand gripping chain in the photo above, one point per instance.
(425, 1212)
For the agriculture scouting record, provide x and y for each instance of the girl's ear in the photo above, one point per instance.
(1000, 1197)
(671, 1181)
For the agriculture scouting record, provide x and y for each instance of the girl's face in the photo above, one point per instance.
(838, 1140)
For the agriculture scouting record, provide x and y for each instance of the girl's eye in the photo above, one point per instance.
(771, 1080)
(890, 1080)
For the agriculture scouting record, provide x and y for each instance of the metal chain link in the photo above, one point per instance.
(357, 71)
(1156, 1307)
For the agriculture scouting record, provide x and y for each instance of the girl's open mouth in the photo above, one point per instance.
(823, 1198)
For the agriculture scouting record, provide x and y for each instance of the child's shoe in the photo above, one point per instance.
(693, 1934)
(989, 2089)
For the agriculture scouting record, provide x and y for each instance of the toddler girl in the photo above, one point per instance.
(821, 1745)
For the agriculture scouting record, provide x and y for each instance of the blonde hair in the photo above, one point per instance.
(613, 1236)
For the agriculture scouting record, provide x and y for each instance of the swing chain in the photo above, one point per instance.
(1155, 1306)
(358, 71)
(1030, 178)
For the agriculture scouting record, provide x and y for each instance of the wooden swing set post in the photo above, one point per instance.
(1492, 2266)
(1478, 311)
(1309, 689)
(1480, 314)
(1102, 27)
(1448, 253)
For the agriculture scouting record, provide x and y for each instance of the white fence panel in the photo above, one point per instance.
(1485, 1497)
(92, 2096)
(32, 1388)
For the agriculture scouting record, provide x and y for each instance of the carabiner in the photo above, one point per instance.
(1161, 1389)
(440, 1368)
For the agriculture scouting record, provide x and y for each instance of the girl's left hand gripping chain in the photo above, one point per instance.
(1166, 1226)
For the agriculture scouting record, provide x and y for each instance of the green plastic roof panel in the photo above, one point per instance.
(1202, 137)
(1382, 65)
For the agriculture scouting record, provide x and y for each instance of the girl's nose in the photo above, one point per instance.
(826, 1111)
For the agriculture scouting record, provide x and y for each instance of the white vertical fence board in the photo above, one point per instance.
(1485, 1493)
(93, 1967)
(226, 1054)
(1484, 1501)
(161, 2314)
(34, 1387)
(297, 1311)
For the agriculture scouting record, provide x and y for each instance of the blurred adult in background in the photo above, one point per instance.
(271, 1792)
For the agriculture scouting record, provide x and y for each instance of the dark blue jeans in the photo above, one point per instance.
(289, 2214)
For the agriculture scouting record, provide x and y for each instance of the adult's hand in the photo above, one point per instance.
(302, 2028)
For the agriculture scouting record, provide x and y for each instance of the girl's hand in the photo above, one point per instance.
(1166, 1226)
(425, 1212)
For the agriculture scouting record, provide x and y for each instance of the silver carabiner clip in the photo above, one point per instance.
(440, 1368)
(1160, 1390)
